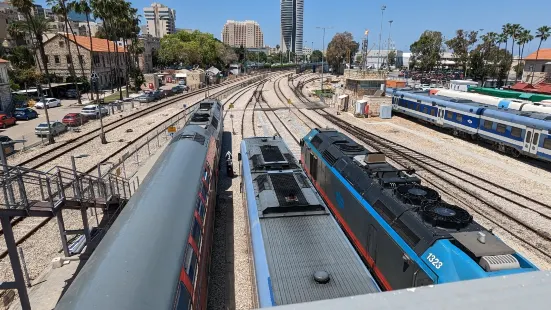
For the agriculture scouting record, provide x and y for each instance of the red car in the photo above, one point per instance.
(74, 119)
(6, 121)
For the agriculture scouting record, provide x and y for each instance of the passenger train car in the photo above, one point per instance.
(300, 254)
(504, 103)
(515, 132)
(157, 253)
(403, 230)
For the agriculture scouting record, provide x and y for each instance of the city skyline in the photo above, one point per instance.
(410, 18)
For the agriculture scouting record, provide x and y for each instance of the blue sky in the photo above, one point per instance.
(410, 18)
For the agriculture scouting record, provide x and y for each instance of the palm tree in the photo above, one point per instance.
(102, 9)
(543, 33)
(514, 31)
(37, 26)
(82, 7)
(524, 38)
(59, 8)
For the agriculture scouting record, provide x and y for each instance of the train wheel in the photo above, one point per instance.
(515, 153)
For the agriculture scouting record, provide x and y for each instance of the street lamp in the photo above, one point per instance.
(383, 8)
(322, 52)
(388, 51)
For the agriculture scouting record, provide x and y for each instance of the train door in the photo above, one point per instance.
(313, 166)
(531, 140)
(441, 115)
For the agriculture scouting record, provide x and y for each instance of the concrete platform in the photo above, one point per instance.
(47, 289)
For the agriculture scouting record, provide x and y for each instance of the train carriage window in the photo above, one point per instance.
(501, 128)
(433, 112)
(547, 143)
(183, 299)
(190, 262)
(196, 233)
(516, 132)
(419, 107)
(426, 110)
(488, 124)
(459, 117)
(528, 136)
(536, 138)
(449, 115)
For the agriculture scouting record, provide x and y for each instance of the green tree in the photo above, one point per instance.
(37, 26)
(524, 37)
(21, 57)
(340, 47)
(543, 33)
(461, 45)
(426, 51)
(316, 56)
(391, 58)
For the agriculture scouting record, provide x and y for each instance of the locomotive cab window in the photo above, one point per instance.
(501, 128)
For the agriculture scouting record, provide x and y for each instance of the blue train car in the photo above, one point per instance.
(514, 132)
(300, 254)
(403, 230)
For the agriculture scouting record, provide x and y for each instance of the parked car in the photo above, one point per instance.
(182, 83)
(147, 97)
(93, 111)
(25, 113)
(49, 102)
(74, 119)
(8, 148)
(157, 94)
(177, 89)
(71, 93)
(56, 126)
(6, 121)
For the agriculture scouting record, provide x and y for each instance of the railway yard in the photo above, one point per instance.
(508, 196)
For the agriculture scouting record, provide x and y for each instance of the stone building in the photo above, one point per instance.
(5, 93)
(540, 69)
(106, 58)
(150, 44)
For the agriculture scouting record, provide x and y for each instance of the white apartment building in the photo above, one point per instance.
(161, 20)
(247, 34)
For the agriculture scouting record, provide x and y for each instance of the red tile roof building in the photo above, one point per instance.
(106, 60)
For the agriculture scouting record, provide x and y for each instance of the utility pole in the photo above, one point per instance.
(380, 36)
(50, 136)
(388, 51)
(322, 52)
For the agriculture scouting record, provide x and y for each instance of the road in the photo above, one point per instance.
(24, 130)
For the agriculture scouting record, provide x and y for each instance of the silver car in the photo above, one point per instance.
(56, 126)
(93, 110)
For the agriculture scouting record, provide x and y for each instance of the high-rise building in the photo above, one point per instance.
(247, 34)
(292, 12)
(161, 20)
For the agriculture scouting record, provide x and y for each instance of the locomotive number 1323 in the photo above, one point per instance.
(435, 261)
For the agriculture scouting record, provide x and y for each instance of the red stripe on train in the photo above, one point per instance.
(351, 235)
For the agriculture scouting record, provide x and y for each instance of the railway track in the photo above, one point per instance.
(69, 145)
(490, 195)
(35, 228)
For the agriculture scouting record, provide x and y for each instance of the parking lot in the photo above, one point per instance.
(24, 130)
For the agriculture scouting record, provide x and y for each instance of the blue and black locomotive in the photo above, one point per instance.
(403, 230)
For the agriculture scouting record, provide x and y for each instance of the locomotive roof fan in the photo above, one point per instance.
(416, 194)
(444, 215)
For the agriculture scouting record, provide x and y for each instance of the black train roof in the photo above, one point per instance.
(414, 211)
